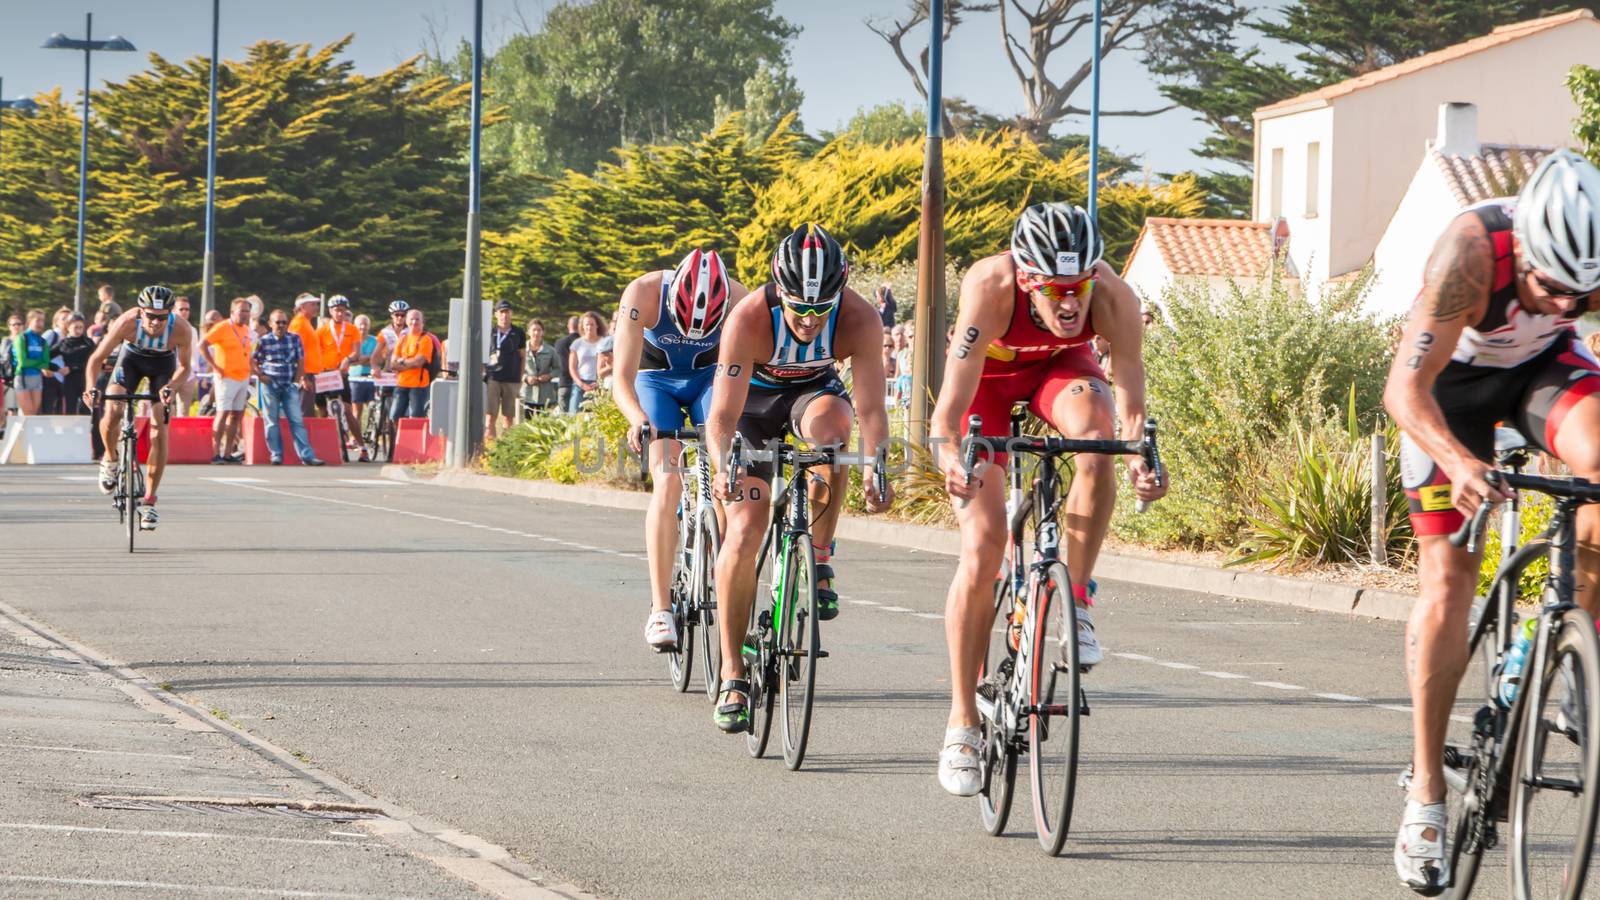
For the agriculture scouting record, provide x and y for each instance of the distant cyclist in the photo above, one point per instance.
(152, 343)
(1490, 338)
(667, 339)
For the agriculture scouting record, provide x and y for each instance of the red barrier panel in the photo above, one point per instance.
(189, 440)
(413, 443)
(321, 430)
(141, 424)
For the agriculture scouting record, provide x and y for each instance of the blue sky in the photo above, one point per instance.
(841, 65)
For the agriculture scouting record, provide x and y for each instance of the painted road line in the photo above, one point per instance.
(1174, 665)
(1135, 656)
(1395, 707)
(929, 615)
(894, 609)
(193, 835)
(1343, 698)
(238, 480)
(183, 888)
(98, 752)
(373, 482)
(79, 477)
(1224, 675)
(1278, 685)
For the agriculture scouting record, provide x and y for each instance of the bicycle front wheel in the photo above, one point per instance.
(132, 486)
(1054, 694)
(758, 645)
(798, 646)
(680, 660)
(705, 594)
(1554, 791)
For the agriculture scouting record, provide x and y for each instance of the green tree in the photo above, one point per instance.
(327, 181)
(886, 123)
(581, 245)
(1584, 82)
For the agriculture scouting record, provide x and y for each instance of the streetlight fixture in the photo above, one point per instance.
(928, 348)
(467, 430)
(88, 45)
(21, 104)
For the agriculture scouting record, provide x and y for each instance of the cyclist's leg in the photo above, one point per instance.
(663, 411)
(160, 375)
(111, 418)
(824, 419)
(1562, 415)
(969, 605)
(763, 422)
(1075, 399)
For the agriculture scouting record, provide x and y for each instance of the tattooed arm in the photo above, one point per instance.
(987, 297)
(1455, 295)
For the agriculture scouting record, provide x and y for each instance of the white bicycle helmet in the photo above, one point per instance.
(1056, 240)
(1558, 220)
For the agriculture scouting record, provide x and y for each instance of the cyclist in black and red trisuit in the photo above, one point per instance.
(1491, 338)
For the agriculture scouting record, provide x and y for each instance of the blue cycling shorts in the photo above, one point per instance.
(665, 394)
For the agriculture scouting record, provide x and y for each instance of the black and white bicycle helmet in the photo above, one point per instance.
(1558, 220)
(398, 306)
(1056, 240)
(156, 297)
(810, 265)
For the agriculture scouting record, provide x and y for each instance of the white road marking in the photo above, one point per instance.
(1278, 685)
(239, 480)
(1135, 656)
(929, 616)
(84, 750)
(79, 477)
(168, 886)
(894, 609)
(374, 482)
(862, 602)
(1175, 665)
(1224, 675)
(1345, 698)
(1404, 709)
(198, 835)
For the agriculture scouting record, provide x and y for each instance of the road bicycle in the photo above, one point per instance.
(693, 595)
(129, 492)
(1030, 699)
(1530, 764)
(783, 642)
(377, 429)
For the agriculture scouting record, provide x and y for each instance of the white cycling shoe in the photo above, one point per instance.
(660, 632)
(1089, 652)
(148, 518)
(958, 762)
(1418, 855)
(108, 475)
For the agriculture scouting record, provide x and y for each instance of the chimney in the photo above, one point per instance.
(1458, 130)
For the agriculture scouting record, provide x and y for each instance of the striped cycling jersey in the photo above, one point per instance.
(795, 361)
(146, 344)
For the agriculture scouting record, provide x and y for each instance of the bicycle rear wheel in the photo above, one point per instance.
(798, 643)
(336, 410)
(705, 596)
(1554, 790)
(1054, 695)
(680, 661)
(135, 492)
(998, 758)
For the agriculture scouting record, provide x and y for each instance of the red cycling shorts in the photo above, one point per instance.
(1003, 385)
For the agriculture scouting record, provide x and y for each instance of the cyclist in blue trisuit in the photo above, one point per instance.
(667, 339)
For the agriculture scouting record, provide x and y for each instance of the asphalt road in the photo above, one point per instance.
(479, 658)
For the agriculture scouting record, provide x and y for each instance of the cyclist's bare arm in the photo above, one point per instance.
(860, 340)
(116, 333)
(641, 309)
(984, 310)
(1117, 318)
(183, 348)
(1455, 294)
(746, 340)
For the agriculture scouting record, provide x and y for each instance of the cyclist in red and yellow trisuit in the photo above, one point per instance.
(1023, 333)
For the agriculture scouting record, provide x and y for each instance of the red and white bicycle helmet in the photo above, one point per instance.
(699, 299)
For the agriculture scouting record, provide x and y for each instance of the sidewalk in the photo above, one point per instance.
(1306, 593)
(73, 739)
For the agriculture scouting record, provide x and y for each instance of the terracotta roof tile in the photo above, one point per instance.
(1497, 171)
(1225, 247)
(1505, 34)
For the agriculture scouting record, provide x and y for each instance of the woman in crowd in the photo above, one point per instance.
(585, 361)
(8, 368)
(74, 351)
(362, 388)
(539, 373)
(31, 354)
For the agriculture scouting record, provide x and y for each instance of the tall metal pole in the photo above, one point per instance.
(1094, 119)
(208, 267)
(928, 349)
(3, 108)
(468, 431)
(83, 160)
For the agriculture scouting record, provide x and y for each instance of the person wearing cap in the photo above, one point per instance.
(502, 370)
(304, 324)
(338, 340)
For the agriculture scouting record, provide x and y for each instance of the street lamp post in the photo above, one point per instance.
(927, 351)
(88, 45)
(21, 104)
(208, 267)
(467, 433)
(1094, 120)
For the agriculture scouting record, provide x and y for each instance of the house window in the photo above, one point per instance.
(1313, 177)
(1277, 183)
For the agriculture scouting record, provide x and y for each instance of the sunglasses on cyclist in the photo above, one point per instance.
(155, 317)
(1056, 292)
(1555, 290)
(806, 310)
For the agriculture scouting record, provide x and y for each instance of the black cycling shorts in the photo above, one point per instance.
(132, 368)
(771, 414)
(1534, 397)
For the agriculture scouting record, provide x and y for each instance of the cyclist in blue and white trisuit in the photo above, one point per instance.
(667, 338)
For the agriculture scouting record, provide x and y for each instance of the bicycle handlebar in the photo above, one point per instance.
(128, 398)
(1145, 448)
(649, 434)
(1574, 489)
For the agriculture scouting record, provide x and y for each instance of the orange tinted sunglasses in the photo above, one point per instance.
(1055, 293)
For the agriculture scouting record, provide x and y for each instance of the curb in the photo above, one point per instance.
(1324, 596)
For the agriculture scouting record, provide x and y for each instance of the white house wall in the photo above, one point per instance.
(1402, 254)
(1308, 237)
(1148, 273)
